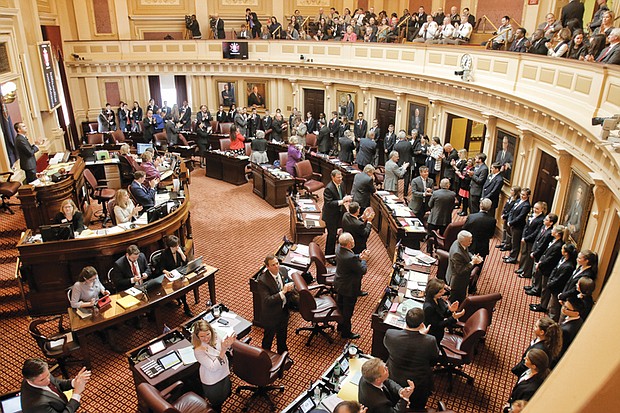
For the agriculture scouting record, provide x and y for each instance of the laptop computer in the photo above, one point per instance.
(11, 402)
(191, 266)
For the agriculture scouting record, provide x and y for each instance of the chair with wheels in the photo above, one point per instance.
(55, 341)
(311, 142)
(225, 144)
(100, 193)
(171, 400)
(307, 179)
(95, 139)
(8, 189)
(283, 158)
(225, 128)
(324, 274)
(443, 259)
(459, 351)
(318, 310)
(446, 240)
(475, 302)
(259, 368)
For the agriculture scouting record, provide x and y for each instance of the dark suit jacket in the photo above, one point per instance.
(359, 130)
(221, 117)
(541, 243)
(366, 152)
(310, 125)
(363, 188)
(26, 151)
(411, 356)
(492, 188)
(612, 58)
(569, 332)
(520, 367)
(255, 99)
(349, 272)
(525, 390)
(172, 132)
(324, 142)
(533, 230)
(571, 286)
(346, 150)
(405, 151)
(573, 10)
(276, 130)
(273, 312)
(389, 141)
(144, 194)
(478, 179)
(334, 127)
(167, 262)
(358, 229)
(219, 27)
(438, 317)
(518, 215)
(518, 45)
(77, 223)
(186, 117)
(459, 269)
(266, 123)
(441, 205)
(482, 228)
(539, 47)
(448, 170)
(381, 401)
(332, 212)
(551, 257)
(38, 400)
(122, 274)
(560, 276)
(418, 199)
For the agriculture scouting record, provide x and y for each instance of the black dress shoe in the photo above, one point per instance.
(504, 249)
(351, 336)
(519, 271)
(538, 308)
(533, 293)
(500, 245)
(510, 261)
(528, 287)
(363, 293)
(524, 275)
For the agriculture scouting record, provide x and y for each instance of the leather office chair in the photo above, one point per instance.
(166, 401)
(379, 175)
(319, 311)
(110, 206)
(155, 259)
(8, 189)
(459, 351)
(225, 128)
(311, 142)
(127, 169)
(443, 259)
(324, 274)
(118, 136)
(93, 127)
(214, 126)
(307, 179)
(95, 139)
(259, 368)
(446, 240)
(475, 302)
(55, 343)
(100, 193)
(225, 144)
(161, 139)
(283, 158)
(473, 279)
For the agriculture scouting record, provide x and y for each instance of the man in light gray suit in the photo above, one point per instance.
(421, 191)
(241, 122)
(460, 264)
(364, 187)
(441, 205)
(478, 176)
(393, 173)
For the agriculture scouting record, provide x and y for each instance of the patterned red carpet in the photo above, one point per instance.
(234, 230)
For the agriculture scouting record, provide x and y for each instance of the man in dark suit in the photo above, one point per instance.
(360, 127)
(389, 141)
(573, 11)
(347, 145)
(186, 116)
(310, 123)
(516, 222)
(253, 123)
(350, 268)
(221, 116)
(324, 141)
(26, 151)
(364, 187)
(218, 26)
(376, 131)
(543, 268)
(42, 392)
(478, 175)
(519, 44)
(255, 98)
(334, 201)
(482, 228)
(460, 264)
(450, 158)
(334, 128)
(536, 238)
(143, 193)
(379, 393)
(266, 121)
(441, 205)
(172, 132)
(253, 22)
(405, 155)
(274, 288)
(366, 151)
(538, 43)
(133, 269)
(412, 353)
(421, 191)
(358, 227)
(611, 54)
(571, 321)
(493, 187)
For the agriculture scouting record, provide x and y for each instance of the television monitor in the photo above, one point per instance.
(11, 402)
(235, 50)
(102, 155)
(57, 232)
(88, 153)
(143, 147)
(157, 212)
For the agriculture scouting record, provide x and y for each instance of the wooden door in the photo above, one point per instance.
(385, 115)
(465, 133)
(546, 182)
(313, 102)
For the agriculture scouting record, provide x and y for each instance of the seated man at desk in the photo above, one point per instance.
(132, 269)
(69, 213)
(143, 193)
(380, 394)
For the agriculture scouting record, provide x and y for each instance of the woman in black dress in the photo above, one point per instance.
(69, 213)
(174, 257)
(438, 312)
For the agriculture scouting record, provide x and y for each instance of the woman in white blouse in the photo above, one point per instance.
(210, 352)
(125, 210)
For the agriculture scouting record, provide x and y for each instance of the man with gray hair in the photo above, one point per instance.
(364, 187)
(393, 173)
(379, 393)
(441, 205)
(460, 264)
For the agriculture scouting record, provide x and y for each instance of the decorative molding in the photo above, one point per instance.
(160, 2)
(239, 2)
(313, 3)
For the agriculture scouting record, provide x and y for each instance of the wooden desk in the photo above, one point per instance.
(274, 149)
(157, 298)
(302, 229)
(40, 204)
(230, 169)
(49, 268)
(270, 186)
(324, 165)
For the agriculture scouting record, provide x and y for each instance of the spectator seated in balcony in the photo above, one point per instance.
(461, 34)
(562, 40)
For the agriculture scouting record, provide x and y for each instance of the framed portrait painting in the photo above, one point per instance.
(227, 92)
(506, 148)
(417, 118)
(346, 104)
(255, 91)
(577, 207)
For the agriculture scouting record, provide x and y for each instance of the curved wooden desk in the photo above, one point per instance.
(50, 268)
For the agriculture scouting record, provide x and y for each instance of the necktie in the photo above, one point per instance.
(339, 192)
(279, 282)
(134, 269)
(600, 59)
(543, 230)
(55, 389)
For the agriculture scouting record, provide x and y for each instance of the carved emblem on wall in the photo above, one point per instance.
(313, 3)
(239, 2)
(160, 2)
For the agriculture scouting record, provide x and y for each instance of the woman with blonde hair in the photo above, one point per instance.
(69, 213)
(125, 210)
(210, 351)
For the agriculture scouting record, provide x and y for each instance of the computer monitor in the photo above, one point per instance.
(11, 402)
(57, 232)
(88, 153)
(143, 147)
(157, 212)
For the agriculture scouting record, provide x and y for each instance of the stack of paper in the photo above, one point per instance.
(127, 301)
(187, 355)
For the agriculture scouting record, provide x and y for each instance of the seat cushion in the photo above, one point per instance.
(323, 304)
(452, 341)
(191, 403)
(313, 185)
(107, 193)
(8, 189)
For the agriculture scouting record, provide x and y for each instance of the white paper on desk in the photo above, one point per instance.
(142, 220)
(412, 285)
(229, 315)
(395, 320)
(133, 291)
(187, 355)
(305, 201)
(314, 217)
(303, 250)
(125, 225)
(223, 331)
(58, 343)
(417, 277)
(161, 198)
(331, 401)
(115, 230)
(301, 260)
